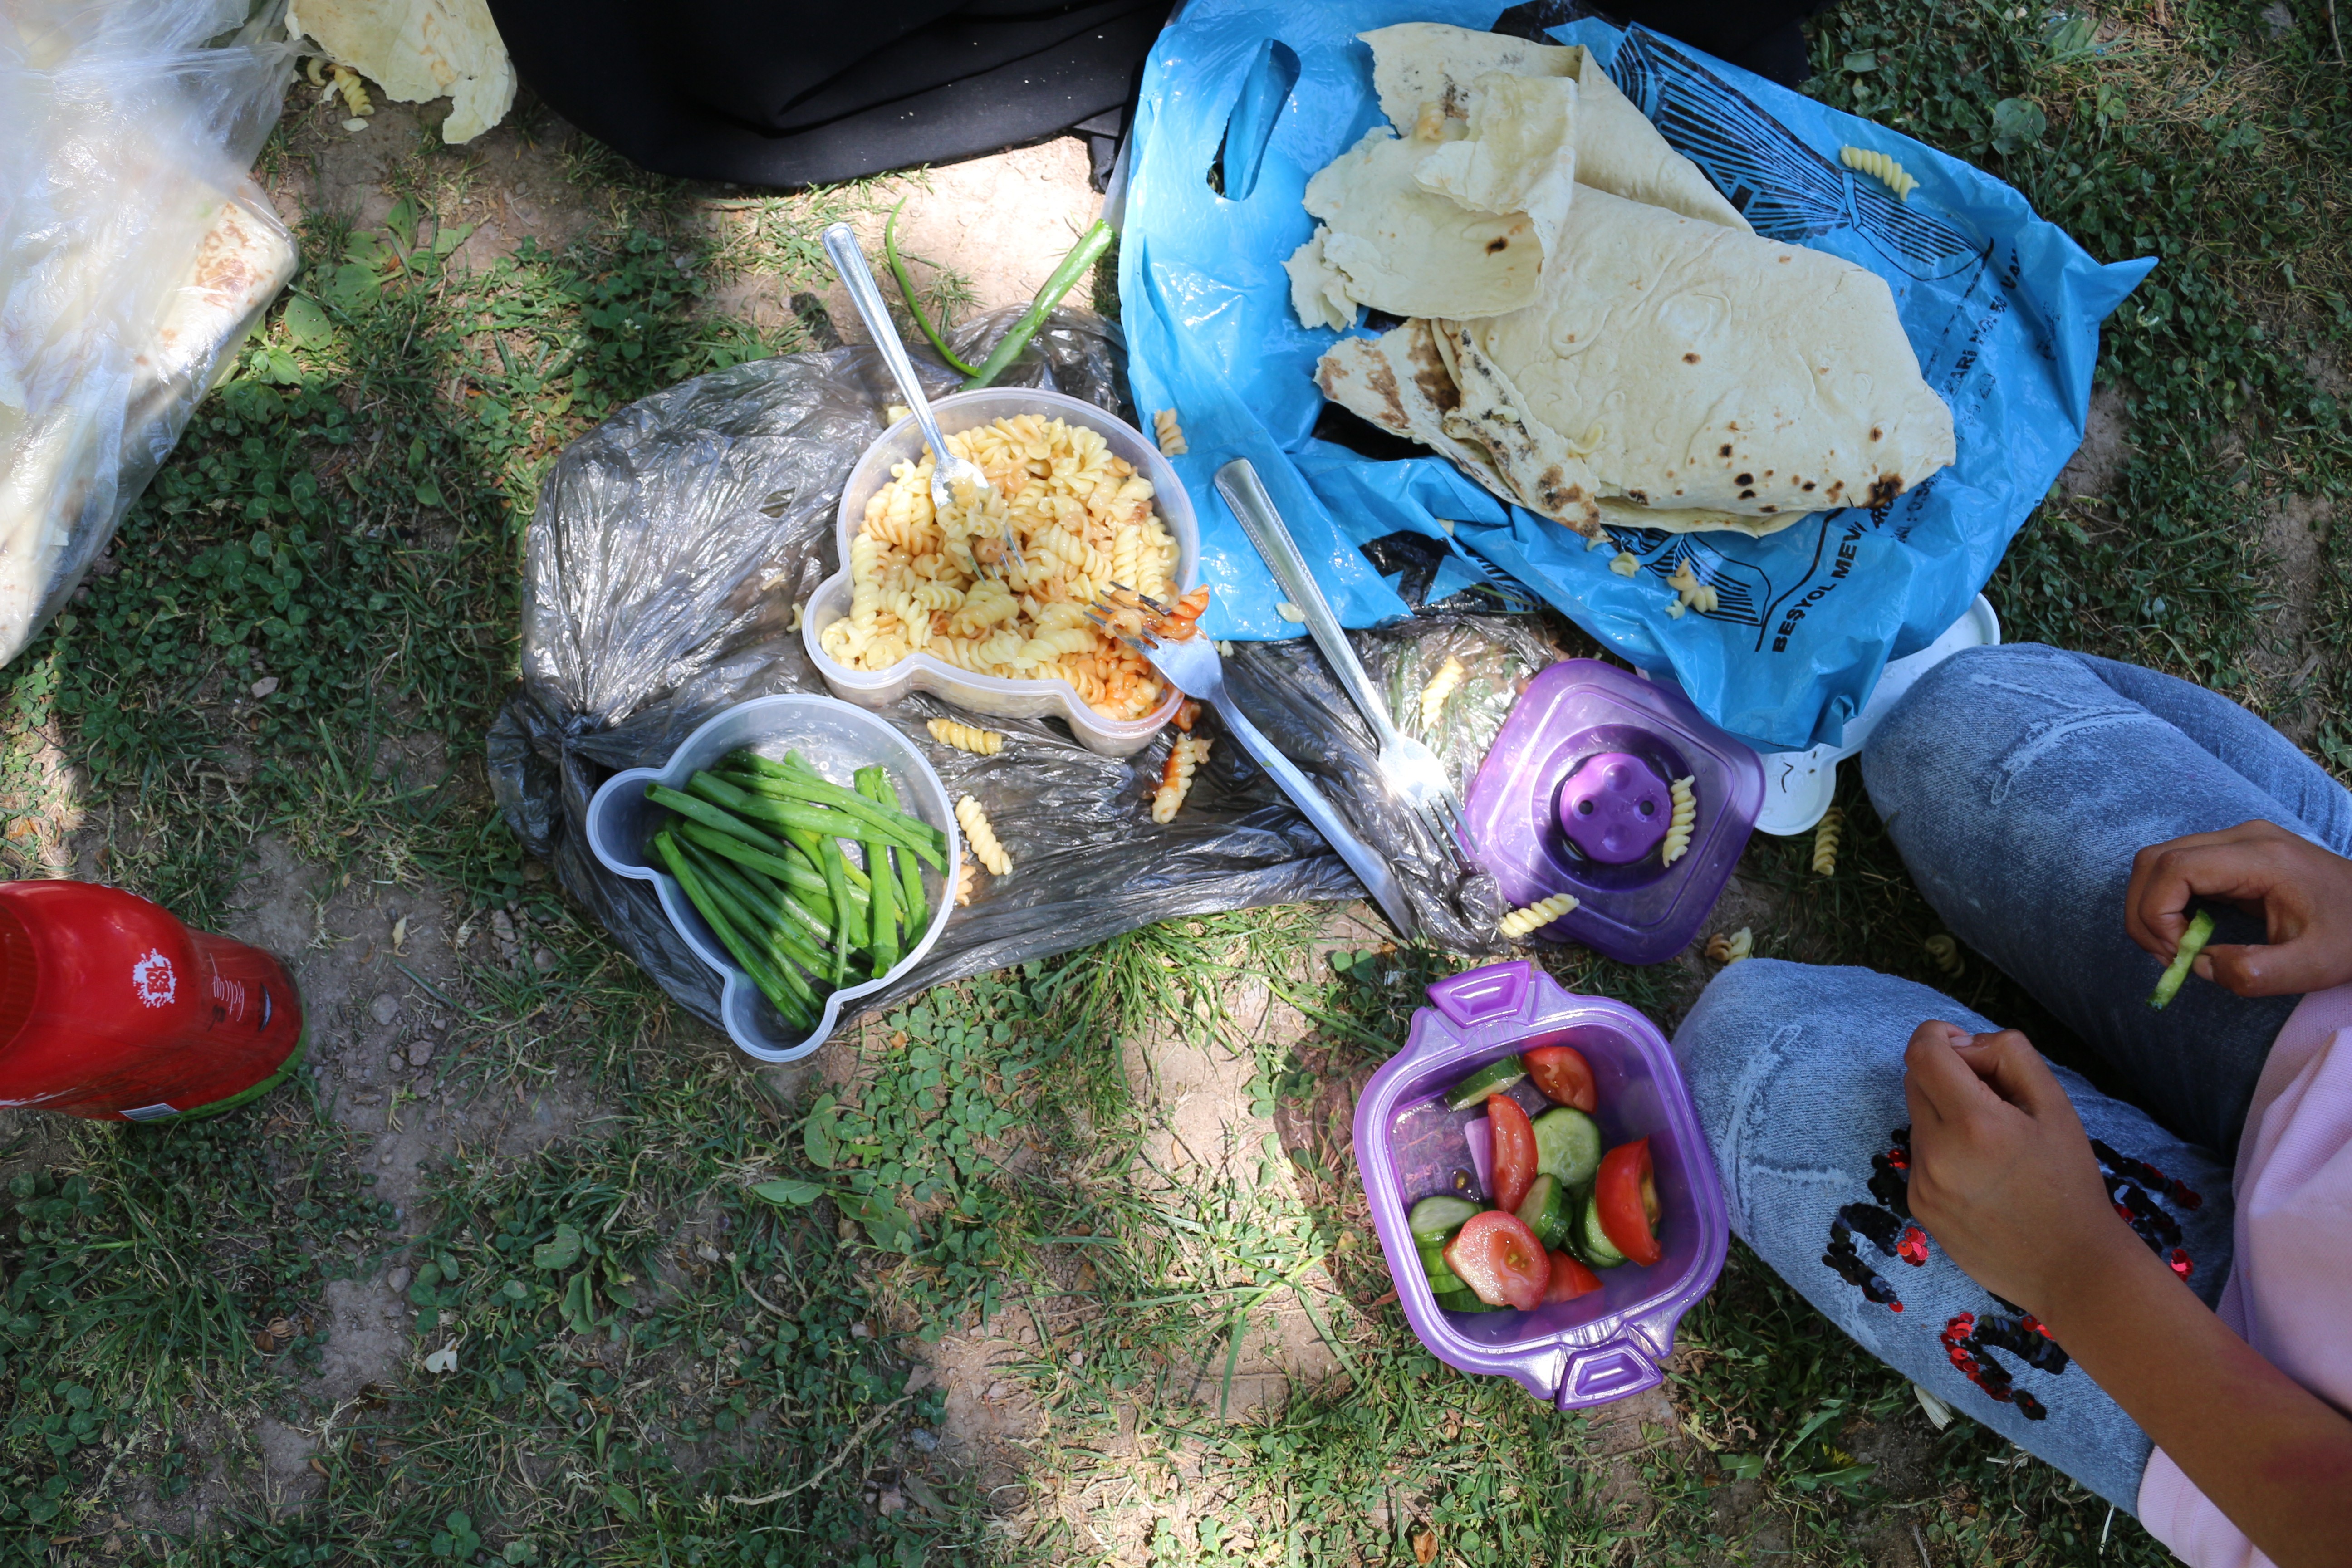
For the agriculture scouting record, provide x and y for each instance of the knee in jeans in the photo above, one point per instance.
(1744, 1005)
(1927, 735)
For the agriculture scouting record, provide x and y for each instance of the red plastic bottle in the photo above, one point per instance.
(111, 1009)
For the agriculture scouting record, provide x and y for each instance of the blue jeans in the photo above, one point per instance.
(2018, 783)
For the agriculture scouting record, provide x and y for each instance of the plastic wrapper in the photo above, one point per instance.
(134, 255)
(671, 546)
(1242, 102)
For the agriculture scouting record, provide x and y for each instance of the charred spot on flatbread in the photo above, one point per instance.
(1725, 451)
(1876, 434)
(1883, 488)
(1639, 498)
(1690, 359)
(1497, 244)
(1743, 479)
(1429, 376)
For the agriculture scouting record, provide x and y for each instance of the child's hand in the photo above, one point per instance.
(2002, 1173)
(2303, 892)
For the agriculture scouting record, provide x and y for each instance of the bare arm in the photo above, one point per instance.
(2002, 1177)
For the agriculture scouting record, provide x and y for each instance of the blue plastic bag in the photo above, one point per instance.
(2002, 308)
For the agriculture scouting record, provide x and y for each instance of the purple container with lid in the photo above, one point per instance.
(1599, 1347)
(1573, 797)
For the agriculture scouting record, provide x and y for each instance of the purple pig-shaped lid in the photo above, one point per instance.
(1569, 801)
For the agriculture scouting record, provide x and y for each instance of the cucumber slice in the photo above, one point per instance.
(1493, 1079)
(1598, 1250)
(1567, 1145)
(1437, 1218)
(1544, 1211)
(1443, 1279)
(1466, 1301)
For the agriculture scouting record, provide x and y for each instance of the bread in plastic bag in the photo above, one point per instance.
(135, 253)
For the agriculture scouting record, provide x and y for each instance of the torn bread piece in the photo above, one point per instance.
(1617, 148)
(1683, 365)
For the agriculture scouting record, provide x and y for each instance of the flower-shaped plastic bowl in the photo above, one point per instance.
(998, 696)
(837, 740)
(1599, 1347)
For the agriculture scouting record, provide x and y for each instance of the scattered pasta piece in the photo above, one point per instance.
(1945, 951)
(1188, 713)
(1624, 563)
(310, 68)
(1184, 620)
(1083, 519)
(1825, 841)
(965, 881)
(1441, 688)
(986, 847)
(355, 91)
(1675, 611)
(1881, 168)
(794, 624)
(1739, 944)
(893, 413)
(966, 737)
(1696, 595)
(1680, 826)
(1169, 434)
(1290, 612)
(1176, 778)
(1536, 916)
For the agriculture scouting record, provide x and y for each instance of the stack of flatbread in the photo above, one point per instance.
(1589, 329)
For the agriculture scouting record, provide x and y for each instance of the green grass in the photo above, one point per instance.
(712, 1292)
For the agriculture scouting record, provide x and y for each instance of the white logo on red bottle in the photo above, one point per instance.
(153, 979)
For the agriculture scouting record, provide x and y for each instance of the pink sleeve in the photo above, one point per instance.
(2293, 1270)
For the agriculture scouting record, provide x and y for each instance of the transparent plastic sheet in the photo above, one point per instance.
(135, 254)
(671, 546)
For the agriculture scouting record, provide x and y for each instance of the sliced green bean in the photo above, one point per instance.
(738, 947)
(2176, 973)
(791, 873)
(911, 902)
(775, 924)
(782, 961)
(805, 816)
(713, 817)
(803, 783)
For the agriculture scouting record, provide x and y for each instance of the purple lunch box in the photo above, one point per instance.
(1601, 1346)
(1574, 797)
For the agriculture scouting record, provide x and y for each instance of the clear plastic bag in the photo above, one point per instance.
(670, 548)
(135, 253)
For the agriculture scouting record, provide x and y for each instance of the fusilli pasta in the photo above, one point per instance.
(966, 737)
(1441, 687)
(1681, 825)
(1169, 434)
(1883, 167)
(1624, 563)
(1731, 948)
(1825, 841)
(980, 834)
(1082, 517)
(966, 879)
(1945, 951)
(1176, 778)
(1536, 916)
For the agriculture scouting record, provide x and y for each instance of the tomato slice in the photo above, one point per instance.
(1570, 1279)
(1564, 1076)
(1501, 1261)
(1625, 1194)
(1514, 1147)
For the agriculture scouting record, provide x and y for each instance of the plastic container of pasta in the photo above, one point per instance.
(996, 696)
(837, 740)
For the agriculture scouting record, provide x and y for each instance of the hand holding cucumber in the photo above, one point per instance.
(2303, 892)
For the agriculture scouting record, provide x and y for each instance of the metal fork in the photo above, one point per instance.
(949, 471)
(1414, 773)
(1192, 666)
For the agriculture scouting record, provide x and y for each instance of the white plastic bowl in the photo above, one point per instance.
(836, 740)
(996, 696)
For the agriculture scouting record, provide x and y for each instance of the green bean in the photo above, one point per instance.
(911, 900)
(806, 786)
(807, 817)
(738, 947)
(1066, 277)
(776, 866)
(885, 945)
(2176, 973)
(711, 817)
(780, 930)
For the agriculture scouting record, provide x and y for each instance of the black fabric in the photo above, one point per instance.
(795, 94)
(1766, 38)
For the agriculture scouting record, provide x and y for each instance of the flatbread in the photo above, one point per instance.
(1617, 148)
(1401, 382)
(1400, 246)
(1681, 365)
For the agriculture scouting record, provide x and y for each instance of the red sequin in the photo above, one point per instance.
(1913, 1247)
(2038, 1326)
(1899, 1157)
(2180, 1262)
